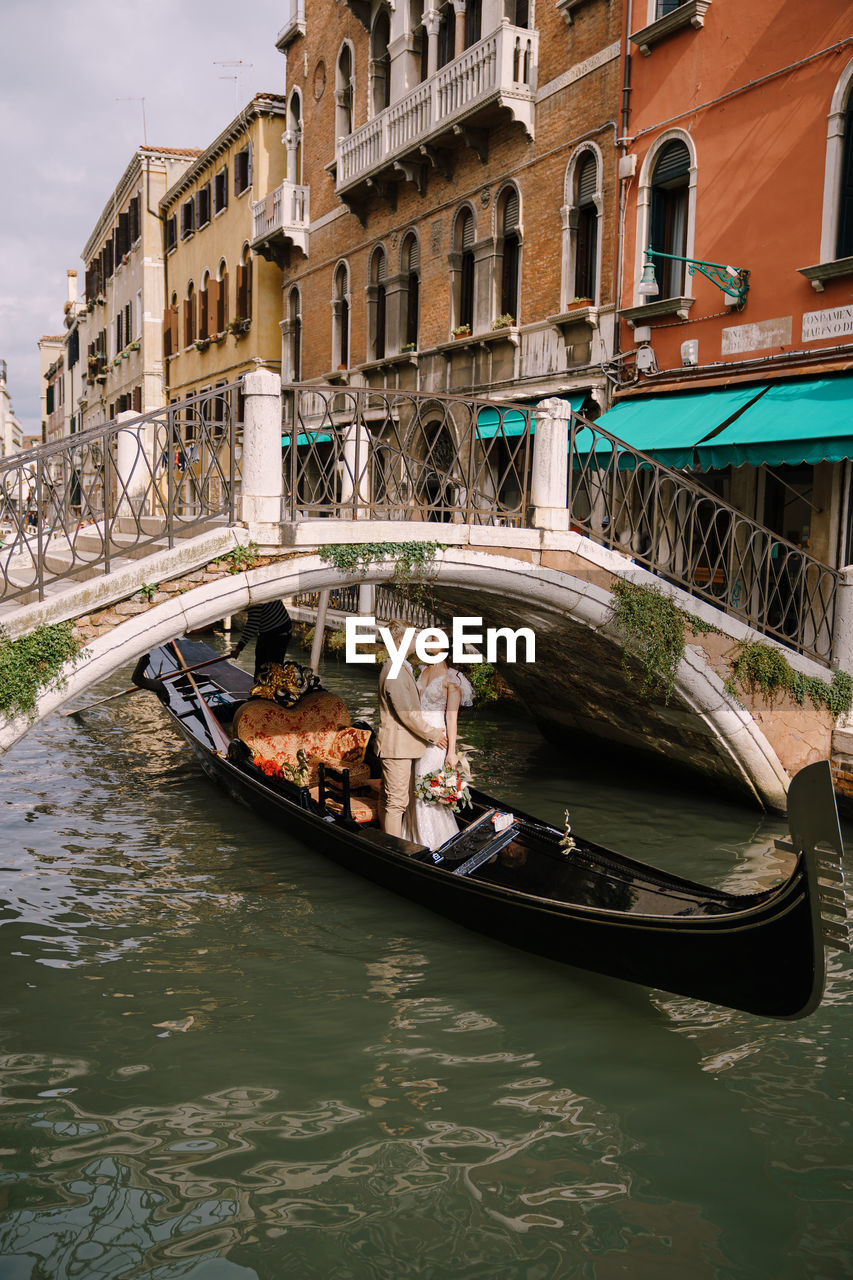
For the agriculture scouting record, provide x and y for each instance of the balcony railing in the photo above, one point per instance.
(282, 216)
(498, 71)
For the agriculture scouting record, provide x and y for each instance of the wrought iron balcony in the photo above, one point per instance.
(463, 98)
(281, 220)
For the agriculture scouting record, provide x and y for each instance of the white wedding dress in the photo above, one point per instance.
(433, 822)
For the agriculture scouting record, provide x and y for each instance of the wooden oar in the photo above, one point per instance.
(135, 688)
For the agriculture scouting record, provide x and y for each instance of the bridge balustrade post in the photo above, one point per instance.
(550, 470)
(262, 487)
(842, 634)
(134, 466)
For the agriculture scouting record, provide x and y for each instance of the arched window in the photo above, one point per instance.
(221, 297)
(463, 265)
(410, 260)
(244, 285)
(380, 62)
(509, 250)
(668, 215)
(293, 138)
(170, 328)
(204, 307)
(376, 304)
(581, 227)
(340, 317)
(189, 315)
(344, 92)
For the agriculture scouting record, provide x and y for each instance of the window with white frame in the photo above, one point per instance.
(340, 317)
(376, 304)
(410, 261)
(509, 252)
(462, 269)
(665, 204)
(293, 138)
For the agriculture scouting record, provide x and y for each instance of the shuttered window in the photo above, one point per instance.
(187, 218)
(222, 303)
(587, 174)
(466, 230)
(137, 399)
(244, 291)
(202, 206)
(668, 215)
(220, 190)
(413, 289)
(133, 220)
(171, 233)
(510, 218)
(242, 170)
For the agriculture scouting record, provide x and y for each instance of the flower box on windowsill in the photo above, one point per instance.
(134, 346)
(239, 326)
(201, 344)
(219, 337)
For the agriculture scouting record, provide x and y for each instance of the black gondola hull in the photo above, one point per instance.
(764, 957)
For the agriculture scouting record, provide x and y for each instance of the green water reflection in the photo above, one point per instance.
(224, 1058)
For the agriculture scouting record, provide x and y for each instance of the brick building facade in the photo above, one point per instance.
(462, 172)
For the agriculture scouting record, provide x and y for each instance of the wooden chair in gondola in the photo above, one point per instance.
(334, 792)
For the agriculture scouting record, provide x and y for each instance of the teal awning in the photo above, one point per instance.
(489, 419)
(319, 437)
(667, 427)
(793, 422)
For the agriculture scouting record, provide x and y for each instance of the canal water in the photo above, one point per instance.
(223, 1058)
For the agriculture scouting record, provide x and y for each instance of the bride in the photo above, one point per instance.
(442, 690)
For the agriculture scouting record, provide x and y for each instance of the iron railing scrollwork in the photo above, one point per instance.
(78, 504)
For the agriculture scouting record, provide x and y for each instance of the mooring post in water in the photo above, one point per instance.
(319, 630)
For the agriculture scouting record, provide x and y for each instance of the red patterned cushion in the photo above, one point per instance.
(319, 726)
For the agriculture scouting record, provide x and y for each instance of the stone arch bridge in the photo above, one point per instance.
(550, 573)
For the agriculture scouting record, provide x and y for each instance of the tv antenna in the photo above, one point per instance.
(142, 101)
(239, 64)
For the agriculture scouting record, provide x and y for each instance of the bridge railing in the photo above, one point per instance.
(75, 506)
(392, 455)
(684, 533)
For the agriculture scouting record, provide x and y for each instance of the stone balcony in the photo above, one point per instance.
(280, 221)
(462, 99)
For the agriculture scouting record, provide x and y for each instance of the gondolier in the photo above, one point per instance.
(270, 627)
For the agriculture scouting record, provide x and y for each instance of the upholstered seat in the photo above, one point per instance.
(319, 726)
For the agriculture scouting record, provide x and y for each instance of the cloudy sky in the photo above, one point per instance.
(65, 141)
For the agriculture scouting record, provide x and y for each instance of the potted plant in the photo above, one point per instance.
(577, 303)
(134, 346)
(201, 344)
(504, 321)
(239, 325)
(219, 337)
(409, 346)
(461, 331)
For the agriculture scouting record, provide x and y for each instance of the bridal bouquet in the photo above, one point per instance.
(448, 787)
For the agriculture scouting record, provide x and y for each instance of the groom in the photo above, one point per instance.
(403, 734)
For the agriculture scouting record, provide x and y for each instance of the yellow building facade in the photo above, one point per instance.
(223, 303)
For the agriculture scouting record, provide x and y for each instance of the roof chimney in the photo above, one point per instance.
(72, 285)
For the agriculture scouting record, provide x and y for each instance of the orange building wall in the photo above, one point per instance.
(760, 158)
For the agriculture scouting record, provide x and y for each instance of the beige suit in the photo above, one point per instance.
(401, 741)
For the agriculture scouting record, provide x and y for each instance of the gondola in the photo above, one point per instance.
(589, 906)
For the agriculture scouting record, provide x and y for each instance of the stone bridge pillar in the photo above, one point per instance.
(550, 476)
(842, 637)
(262, 485)
(134, 465)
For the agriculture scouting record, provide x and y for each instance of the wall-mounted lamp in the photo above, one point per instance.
(734, 283)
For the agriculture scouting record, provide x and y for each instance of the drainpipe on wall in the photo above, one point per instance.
(623, 150)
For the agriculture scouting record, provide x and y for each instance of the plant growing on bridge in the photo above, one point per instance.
(241, 558)
(653, 627)
(148, 591)
(32, 664)
(763, 669)
(412, 562)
